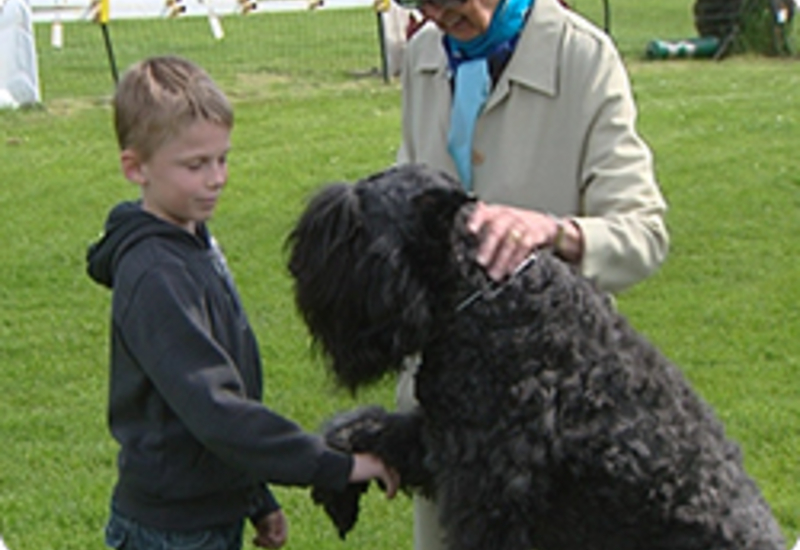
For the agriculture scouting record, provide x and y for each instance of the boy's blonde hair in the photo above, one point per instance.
(159, 97)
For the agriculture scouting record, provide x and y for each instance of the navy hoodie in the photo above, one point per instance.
(197, 446)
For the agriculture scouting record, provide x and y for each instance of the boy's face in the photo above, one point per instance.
(182, 181)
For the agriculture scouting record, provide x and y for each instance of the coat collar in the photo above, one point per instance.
(537, 65)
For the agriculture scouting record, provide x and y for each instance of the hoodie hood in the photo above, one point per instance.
(127, 225)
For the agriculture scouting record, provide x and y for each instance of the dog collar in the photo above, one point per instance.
(496, 288)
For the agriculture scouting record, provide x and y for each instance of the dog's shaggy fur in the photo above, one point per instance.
(545, 421)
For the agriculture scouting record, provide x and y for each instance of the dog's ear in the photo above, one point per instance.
(437, 208)
(327, 241)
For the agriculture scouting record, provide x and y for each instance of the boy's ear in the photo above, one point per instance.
(131, 166)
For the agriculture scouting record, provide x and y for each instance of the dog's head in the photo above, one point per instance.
(366, 259)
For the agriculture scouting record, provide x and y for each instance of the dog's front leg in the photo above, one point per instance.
(401, 447)
(394, 437)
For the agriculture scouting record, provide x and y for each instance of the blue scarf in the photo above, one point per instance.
(469, 61)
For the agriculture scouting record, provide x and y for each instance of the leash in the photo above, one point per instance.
(496, 288)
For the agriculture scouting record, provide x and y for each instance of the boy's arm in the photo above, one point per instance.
(269, 521)
(169, 334)
(263, 503)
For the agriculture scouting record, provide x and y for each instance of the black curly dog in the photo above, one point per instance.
(545, 421)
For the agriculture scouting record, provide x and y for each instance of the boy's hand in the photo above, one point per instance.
(368, 466)
(272, 530)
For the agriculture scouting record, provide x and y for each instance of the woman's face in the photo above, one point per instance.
(461, 20)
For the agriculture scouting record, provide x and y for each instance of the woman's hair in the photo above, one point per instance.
(159, 97)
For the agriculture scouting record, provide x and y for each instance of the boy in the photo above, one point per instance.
(197, 446)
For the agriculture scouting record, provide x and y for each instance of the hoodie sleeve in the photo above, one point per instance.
(166, 327)
(264, 503)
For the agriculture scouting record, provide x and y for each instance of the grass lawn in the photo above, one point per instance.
(725, 305)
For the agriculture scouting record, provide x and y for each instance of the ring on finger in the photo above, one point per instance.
(515, 235)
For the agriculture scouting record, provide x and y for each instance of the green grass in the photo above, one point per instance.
(725, 305)
(260, 52)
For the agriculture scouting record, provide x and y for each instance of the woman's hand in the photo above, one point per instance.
(508, 235)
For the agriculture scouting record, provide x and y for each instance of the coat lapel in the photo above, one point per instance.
(534, 64)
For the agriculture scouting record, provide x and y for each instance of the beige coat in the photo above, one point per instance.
(557, 135)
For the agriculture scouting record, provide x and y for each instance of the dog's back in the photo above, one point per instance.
(579, 426)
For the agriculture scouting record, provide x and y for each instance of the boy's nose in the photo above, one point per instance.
(219, 175)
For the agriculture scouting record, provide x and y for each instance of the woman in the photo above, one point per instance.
(531, 107)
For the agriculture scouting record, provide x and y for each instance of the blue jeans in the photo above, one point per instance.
(125, 534)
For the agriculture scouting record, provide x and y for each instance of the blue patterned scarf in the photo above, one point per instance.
(469, 61)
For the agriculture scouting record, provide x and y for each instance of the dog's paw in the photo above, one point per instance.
(342, 507)
(351, 432)
(356, 431)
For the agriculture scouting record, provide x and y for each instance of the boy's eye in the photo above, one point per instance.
(195, 164)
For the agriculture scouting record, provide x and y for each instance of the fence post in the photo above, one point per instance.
(382, 42)
(102, 18)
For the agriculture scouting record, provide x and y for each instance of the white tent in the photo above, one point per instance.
(19, 73)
